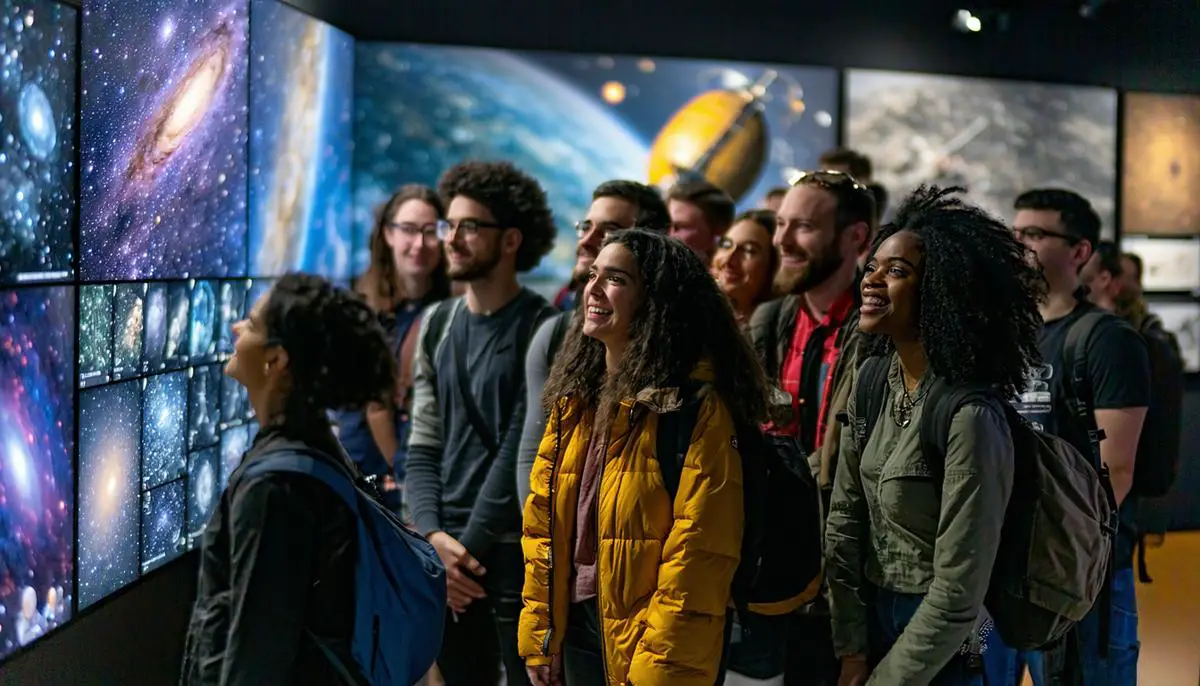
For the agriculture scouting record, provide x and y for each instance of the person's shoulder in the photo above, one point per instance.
(1113, 338)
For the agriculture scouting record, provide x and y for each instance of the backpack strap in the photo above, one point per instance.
(1081, 400)
(770, 337)
(309, 463)
(869, 393)
(440, 316)
(942, 403)
(674, 436)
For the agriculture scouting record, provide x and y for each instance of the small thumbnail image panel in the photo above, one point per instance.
(233, 308)
(204, 489)
(235, 442)
(109, 446)
(179, 300)
(235, 402)
(252, 431)
(128, 326)
(204, 406)
(164, 432)
(202, 344)
(155, 345)
(163, 511)
(95, 335)
(258, 288)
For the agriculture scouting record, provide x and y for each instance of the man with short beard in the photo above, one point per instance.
(808, 344)
(468, 404)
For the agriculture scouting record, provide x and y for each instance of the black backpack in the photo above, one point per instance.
(782, 562)
(1055, 556)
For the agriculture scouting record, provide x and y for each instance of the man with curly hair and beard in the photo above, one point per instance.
(468, 407)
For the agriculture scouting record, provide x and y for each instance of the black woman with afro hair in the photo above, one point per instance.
(278, 558)
(949, 295)
(623, 583)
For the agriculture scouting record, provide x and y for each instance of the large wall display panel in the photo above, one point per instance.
(37, 426)
(1161, 174)
(996, 138)
(301, 103)
(37, 126)
(1168, 264)
(164, 139)
(573, 121)
(1183, 320)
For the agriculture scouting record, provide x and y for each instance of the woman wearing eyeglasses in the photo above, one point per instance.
(745, 262)
(407, 272)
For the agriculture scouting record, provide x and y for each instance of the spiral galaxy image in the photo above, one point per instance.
(164, 139)
(301, 102)
(204, 489)
(202, 343)
(155, 314)
(37, 126)
(128, 326)
(163, 512)
(37, 499)
(110, 422)
(95, 334)
(164, 429)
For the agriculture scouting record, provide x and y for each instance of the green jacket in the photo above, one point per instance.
(887, 528)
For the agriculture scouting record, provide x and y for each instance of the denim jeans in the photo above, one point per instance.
(1005, 666)
(889, 614)
(758, 645)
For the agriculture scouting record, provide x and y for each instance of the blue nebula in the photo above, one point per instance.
(37, 121)
(204, 488)
(203, 345)
(156, 327)
(234, 444)
(163, 512)
(164, 428)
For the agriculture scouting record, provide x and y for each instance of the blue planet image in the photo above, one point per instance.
(38, 40)
(301, 82)
(164, 139)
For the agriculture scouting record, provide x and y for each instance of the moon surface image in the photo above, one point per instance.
(164, 142)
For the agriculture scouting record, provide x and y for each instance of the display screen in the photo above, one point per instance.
(204, 406)
(128, 327)
(204, 489)
(164, 137)
(202, 337)
(37, 488)
(95, 334)
(301, 81)
(37, 126)
(164, 512)
(164, 429)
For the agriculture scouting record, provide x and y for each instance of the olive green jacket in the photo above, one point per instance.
(887, 528)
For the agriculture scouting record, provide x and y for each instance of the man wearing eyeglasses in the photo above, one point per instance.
(468, 405)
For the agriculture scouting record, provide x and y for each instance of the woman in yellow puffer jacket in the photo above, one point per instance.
(622, 585)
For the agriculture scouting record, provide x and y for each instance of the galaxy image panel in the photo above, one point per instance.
(202, 338)
(37, 124)
(233, 306)
(129, 314)
(258, 288)
(163, 514)
(164, 429)
(37, 426)
(156, 314)
(95, 334)
(165, 129)
(235, 402)
(204, 489)
(301, 102)
(110, 423)
(179, 325)
(204, 406)
(235, 442)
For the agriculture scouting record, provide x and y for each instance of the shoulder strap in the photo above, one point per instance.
(404, 365)
(562, 322)
(869, 395)
(440, 316)
(674, 436)
(942, 403)
(1078, 382)
(310, 464)
(770, 340)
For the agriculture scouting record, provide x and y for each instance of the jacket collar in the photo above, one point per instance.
(671, 398)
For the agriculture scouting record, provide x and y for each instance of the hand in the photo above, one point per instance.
(461, 589)
(854, 671)
(547, 675)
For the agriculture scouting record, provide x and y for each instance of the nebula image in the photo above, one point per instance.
(37, 126)
(235, 402)
(95, 334)
(155, 315)
(163, 512)
(204, 489)
(165, 129)
(251, 431)
(204, 403)
(202, 341)
(37, 427)
(179, 300)
(128, 327)
(233, 307)
(164, 428)
(301, 101)
(235, 442)
(110, 422)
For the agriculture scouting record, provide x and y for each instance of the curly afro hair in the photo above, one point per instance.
(978, 292)
(684, 319)
(338, 355)
(513, 197)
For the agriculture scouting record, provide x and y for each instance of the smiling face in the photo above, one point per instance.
(890, 288)
(742, 263)
(476, 245)
(811, 248)
(411, 233)
(612, 296)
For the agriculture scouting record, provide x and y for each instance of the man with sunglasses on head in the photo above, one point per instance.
(807, 343)
(468, 406)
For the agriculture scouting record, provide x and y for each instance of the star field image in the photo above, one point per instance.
(202, 340)
(204, 402)
(128, 325)
(233, 306)
(164, 431)
(179, 300)
(235, 402)
(37, 130)
(234, 444)
(204, 483)
(110, 421)
(37, 424)
(156, 309)
(95, 334)
(301, 104)
(165, 121)
(163, 512)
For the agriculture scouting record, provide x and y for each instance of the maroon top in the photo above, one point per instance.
(587, 545)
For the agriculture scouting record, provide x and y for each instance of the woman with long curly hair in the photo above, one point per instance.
(625, 584)
(949, 296)
(277, 565)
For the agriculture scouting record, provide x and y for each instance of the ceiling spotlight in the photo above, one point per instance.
(966, 22)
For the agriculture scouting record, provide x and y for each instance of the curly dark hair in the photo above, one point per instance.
(652, 211)
(513, 197)
(684, 319)
(380, 283)
(338, 355)
(978, 293)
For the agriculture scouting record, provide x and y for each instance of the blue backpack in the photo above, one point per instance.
(400, 584)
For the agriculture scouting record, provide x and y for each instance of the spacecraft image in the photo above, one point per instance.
(37, 425)
(301, 103)
(179, 324)
(204, 489)
(95, 335)
(38, 39)
(235, 441)
(233, 305)
(163, 512)
(165, 128)
(202, 341)
(1161, 165)
(164, 428)
(155, 315)
(574, 121)
(128, 326)
(110, 422)
(988, 136)
(204, 405)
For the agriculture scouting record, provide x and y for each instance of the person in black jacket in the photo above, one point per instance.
(276, 585)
